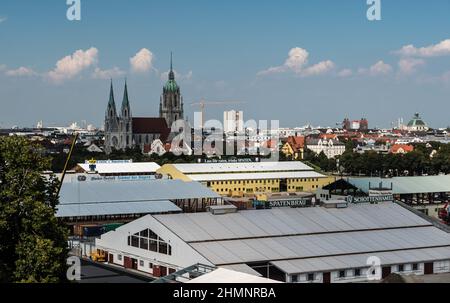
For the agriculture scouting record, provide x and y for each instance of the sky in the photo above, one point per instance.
(296, 61)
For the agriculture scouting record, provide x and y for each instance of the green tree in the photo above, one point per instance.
(33, 243)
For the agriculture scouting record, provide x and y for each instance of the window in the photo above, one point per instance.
(119, 257)
(134, 241)
(149, 240)
(162, 248)
(144, 243)
(310, 277)
(357, 272)
(153, 245)
(141, 263)
(415, 266)
(150, 265)
(294, 279)
(401, 268)
(342, 274)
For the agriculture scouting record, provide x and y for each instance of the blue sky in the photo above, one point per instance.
(340, 63)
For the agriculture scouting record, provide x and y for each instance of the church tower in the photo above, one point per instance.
(126, 123)
(111, 124)
(171, 102)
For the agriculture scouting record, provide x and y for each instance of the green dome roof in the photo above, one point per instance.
(416, 121)
(171, 86)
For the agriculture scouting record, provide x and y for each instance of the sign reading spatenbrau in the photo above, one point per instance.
(288, 203)
(371, 199)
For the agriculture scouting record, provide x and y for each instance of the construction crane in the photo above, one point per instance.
(203, 103)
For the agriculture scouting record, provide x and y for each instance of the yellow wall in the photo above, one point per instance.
(289, 152)
(308, 184)
(171, 171)
(226, 188)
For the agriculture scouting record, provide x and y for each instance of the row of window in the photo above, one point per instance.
(149, 240)
(248, 190)
(300, 188)
(342, 274)
(261, 181)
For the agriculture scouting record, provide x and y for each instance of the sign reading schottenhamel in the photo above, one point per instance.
(371, 199)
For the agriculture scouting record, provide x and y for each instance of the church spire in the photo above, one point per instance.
(171, 73)
(111, 96)
(125, 101)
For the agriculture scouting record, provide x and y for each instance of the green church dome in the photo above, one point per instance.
(416, 121)
(171, 86)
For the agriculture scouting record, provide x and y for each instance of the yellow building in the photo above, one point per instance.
(237, 179)
(294, 148)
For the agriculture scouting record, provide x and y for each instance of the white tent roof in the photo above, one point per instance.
(256, 176)
(223, 275)
(205, 168)
(289, 221)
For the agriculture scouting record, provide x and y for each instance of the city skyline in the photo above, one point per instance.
(296, 69)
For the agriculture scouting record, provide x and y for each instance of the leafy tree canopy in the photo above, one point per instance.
(32, 240)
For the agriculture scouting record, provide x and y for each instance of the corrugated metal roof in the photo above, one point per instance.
(122, 168)
(309, 246)
(242, 268)
(117, 191)
(406, 185)
(289, 221)
(255, 176)
(190, 168)
(360, 261)
(118, 208)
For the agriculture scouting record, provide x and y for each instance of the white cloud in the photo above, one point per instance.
(408, 66)
(178, 76)
(108, 73)
(297, 62)
(142, 62)
(21, 72)
(72, 65)
(345, 73)
(3, 19)
(272, 70)
(318, 69)
(380, 68)
(440, 49)
(298, 57)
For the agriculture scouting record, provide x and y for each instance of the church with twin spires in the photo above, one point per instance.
(123, 130)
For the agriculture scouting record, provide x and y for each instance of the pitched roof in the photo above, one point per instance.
(397, 147)
(151, 126)
(296, 142)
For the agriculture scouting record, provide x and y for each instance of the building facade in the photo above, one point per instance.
(300, 245)
(417, 124)
(331, 148)
(239, 179)
(171, 102)
(123, 131)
